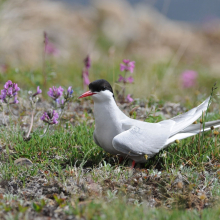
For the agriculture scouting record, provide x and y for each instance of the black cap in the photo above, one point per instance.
(100, 85)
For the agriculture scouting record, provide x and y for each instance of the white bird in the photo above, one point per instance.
(118, 134)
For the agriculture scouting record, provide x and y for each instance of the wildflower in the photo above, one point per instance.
(87, 62)
(127, 65)
(69, 93)
(10, 90)
(188, 78)
(38, 91)
(129, 79)
(86, 80)
(3, 96)
(15, 101)
(50, 117)
(49, 48)
(60, 101)
(129, 99)
(85, 72)
(55, 92)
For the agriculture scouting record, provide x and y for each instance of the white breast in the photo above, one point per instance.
(107, 124)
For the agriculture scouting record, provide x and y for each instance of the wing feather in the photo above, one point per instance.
(146, 139)
(184, 120)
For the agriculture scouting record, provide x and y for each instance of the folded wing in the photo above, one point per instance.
(144, 138)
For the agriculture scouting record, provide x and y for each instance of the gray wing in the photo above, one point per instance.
(143, 138)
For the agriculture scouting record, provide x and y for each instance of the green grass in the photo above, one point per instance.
(66, 152)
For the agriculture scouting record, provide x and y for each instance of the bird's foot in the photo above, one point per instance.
(133, 164)
(121, 159)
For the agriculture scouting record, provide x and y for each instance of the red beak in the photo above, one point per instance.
(89, 93)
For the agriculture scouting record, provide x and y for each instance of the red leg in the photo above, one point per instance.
(133, 164)
(121, 159)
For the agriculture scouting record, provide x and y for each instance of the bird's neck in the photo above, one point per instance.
(107, 112)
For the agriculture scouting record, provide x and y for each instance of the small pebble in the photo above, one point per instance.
(23, 161)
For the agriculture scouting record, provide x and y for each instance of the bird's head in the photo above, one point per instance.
(100, 90)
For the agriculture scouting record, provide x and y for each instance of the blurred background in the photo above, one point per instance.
(165, 38)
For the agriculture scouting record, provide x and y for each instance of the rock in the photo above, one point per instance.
(23, 161)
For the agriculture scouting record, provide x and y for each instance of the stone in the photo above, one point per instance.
(23, 161)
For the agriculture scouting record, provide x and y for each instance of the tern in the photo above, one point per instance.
(120, 135)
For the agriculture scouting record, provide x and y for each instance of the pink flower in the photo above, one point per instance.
(55, 92)
(85, 72)
(39, 91)
(49, 47)
(121, 79)
(10, 90)
(87, 62)
(129, 99)
(127, 65)
(86, 78)
(130, 79)
(188, 78)
(15, 101)
(50, 117)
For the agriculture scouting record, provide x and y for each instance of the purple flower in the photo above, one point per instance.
(15, 101)
(69, 91)
(188, 78)
(67, 95)
(55, 92)
(129, 99)
(127, 65)
(3, 96)
(10, 90)
(130, 79)
(50, 117)
(38, 91)
(49, 47)
(60, 101)
(86, 78)
(121, 79)
(87, 62)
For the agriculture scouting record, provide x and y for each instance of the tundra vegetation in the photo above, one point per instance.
(51, 167)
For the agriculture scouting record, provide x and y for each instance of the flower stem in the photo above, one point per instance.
(3, 113)
(9, 108)
(44, 66)
(32, 122)
(45, 131)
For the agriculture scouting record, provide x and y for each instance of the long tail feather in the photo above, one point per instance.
(184, 120)
(193, 130)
